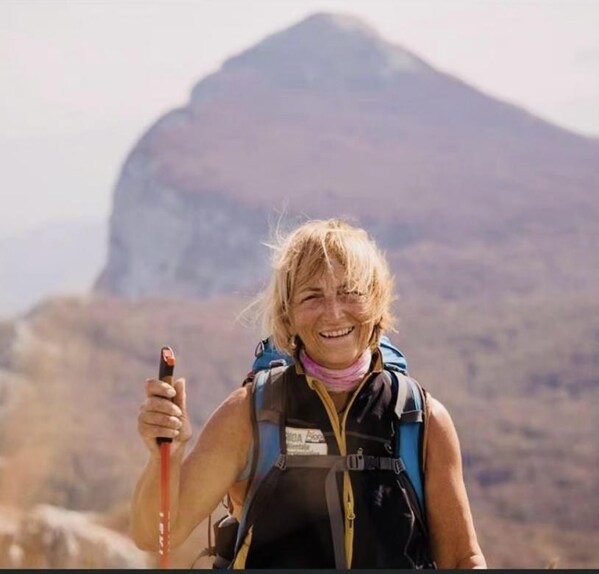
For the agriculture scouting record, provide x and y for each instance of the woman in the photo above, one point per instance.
(327, 305)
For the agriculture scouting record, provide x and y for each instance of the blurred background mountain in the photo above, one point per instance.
(57, 257)
(487, 213)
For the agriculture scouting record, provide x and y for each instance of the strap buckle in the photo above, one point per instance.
(355, 461)
(260, 348)
(398, 466)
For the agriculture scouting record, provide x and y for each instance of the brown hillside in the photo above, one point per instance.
(521, 381)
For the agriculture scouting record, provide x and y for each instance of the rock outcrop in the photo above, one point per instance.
(166, 241)
(49, 537)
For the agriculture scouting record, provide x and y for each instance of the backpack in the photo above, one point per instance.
(268, 364)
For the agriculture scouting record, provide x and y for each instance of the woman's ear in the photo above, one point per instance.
(294, 342)
(290, 331)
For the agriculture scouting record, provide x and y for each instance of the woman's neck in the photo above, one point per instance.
(338, 380)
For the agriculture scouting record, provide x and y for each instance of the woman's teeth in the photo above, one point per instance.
(338, 333)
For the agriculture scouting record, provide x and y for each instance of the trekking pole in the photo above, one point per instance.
(165, 373)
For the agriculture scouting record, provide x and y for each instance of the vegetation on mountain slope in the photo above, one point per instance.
(521, 380)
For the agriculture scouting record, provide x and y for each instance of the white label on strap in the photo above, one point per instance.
(305, 441)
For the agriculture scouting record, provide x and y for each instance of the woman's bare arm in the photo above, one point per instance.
(200, 480)
(453, 538)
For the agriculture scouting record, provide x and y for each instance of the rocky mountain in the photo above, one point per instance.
(327, 118)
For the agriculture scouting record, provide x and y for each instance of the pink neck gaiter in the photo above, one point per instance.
(338, 380)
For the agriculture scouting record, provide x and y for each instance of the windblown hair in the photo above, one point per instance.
(310, 250)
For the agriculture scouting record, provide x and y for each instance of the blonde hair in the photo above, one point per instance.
(310, 250)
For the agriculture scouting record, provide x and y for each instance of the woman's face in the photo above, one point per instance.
(332, 323)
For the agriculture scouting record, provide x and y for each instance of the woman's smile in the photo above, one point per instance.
(336, 334)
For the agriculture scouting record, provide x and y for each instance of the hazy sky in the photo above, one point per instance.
(81, 81)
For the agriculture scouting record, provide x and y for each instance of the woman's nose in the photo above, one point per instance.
(332, 307)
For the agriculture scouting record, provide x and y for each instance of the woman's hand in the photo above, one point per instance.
(164, 414)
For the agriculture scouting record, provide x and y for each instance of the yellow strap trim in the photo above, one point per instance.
(339, 430)
(329, 406)
(348, 493)
(240, 559)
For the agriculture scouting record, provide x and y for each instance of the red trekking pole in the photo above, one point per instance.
(165, 373)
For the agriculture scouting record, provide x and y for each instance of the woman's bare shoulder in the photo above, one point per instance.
(233, 413)
(221, 449)
(442, 437)
(238, 399)
(436, 410)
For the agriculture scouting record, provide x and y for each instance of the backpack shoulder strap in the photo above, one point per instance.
(268, 427)
(268, 418)
(410, 410)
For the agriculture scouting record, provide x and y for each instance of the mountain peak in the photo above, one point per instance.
(341, 21)
(328, 50)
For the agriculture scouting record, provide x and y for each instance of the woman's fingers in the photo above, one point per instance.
(160, 405)
(157, 388)
(161, 420)
(162, 414)
(159, 417)
(156, 431)
(153, 423)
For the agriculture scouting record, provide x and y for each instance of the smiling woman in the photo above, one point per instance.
(336, 491)
(330, 292)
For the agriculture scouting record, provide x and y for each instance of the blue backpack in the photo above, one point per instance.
(267, 415)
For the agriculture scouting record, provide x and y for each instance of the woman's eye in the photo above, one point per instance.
(309, 298)
(352, 293)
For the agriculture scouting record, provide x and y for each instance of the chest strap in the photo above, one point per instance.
(338, 463)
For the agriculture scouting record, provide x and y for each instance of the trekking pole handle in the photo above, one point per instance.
(165, 373)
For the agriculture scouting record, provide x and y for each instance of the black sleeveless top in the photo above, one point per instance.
(289, 523)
